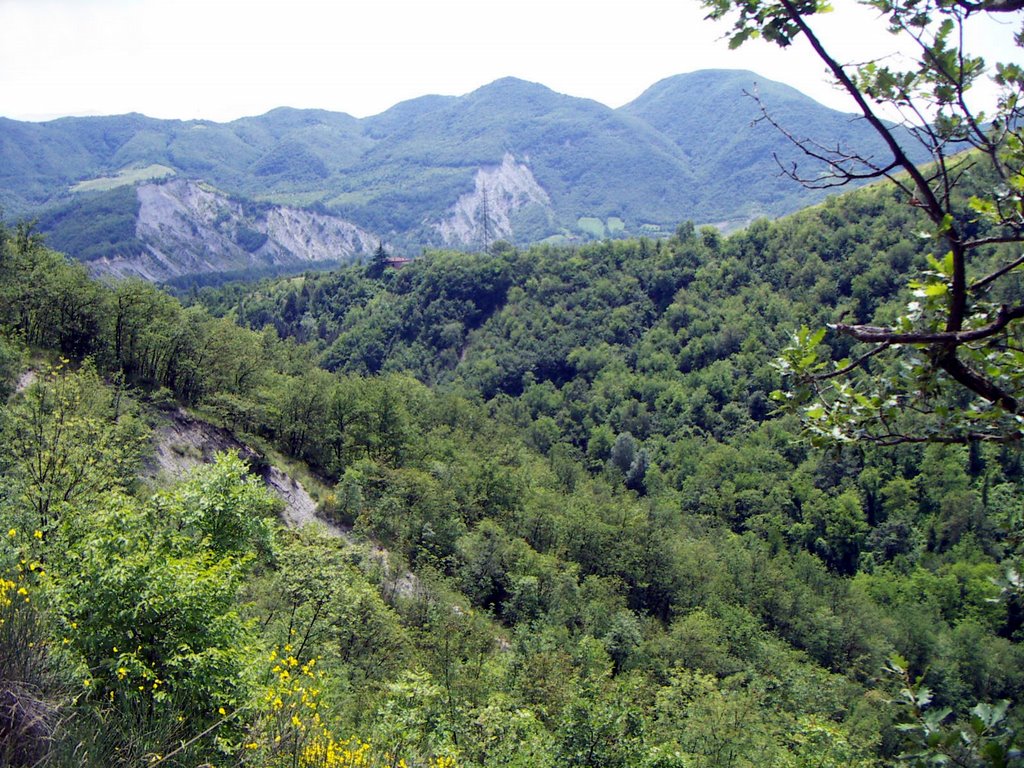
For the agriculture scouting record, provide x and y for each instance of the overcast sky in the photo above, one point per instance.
(223, 59)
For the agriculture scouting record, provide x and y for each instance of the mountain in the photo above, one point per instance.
(713, 117)
(512, 160)
(589, 159)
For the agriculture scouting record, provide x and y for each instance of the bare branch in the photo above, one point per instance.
(979, 284)
(890, 439)
(832, 180)
(835, 158)
(875, 334)
(991, 6)
(855, 364)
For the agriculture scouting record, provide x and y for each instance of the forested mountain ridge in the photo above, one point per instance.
(494, 319)
(438, 171)
(732, 151)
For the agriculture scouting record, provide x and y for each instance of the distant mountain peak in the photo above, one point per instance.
(513, 81)
(717, 83)
(509, 91)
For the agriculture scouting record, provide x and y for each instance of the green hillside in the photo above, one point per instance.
(711, 115)
(685, 149)
(571, 144)
(576, 532)
(95, 225)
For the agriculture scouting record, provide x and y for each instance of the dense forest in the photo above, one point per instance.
(578, 530)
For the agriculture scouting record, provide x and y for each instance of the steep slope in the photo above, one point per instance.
(502, 201)
(181, 228)
(41, 162)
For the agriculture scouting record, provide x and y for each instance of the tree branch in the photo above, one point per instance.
(994, 240)
(837, 158)
(955, 367)
(874, 334)
(981, 283)
(933, 207)
(931, 204)
(890, 439)
(991, 6)
(855, 364)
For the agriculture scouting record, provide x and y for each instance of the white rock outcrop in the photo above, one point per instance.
(498, 192)
(188, 227)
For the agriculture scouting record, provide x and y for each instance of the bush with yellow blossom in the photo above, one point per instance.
(292, 729)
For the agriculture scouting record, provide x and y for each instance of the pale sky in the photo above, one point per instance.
(224, 59)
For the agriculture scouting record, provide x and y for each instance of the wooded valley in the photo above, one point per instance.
(581, 533)
(660, 502)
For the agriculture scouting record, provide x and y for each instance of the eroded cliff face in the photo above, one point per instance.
(499, 193)
(189, 228)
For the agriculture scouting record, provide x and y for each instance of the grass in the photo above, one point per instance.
(654, 230)
(292, 199)
(556, 240)
(591, 226)
(123, 178)
(351, 198)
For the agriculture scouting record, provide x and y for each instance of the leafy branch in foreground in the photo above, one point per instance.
(984, 738)
(949, 369)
